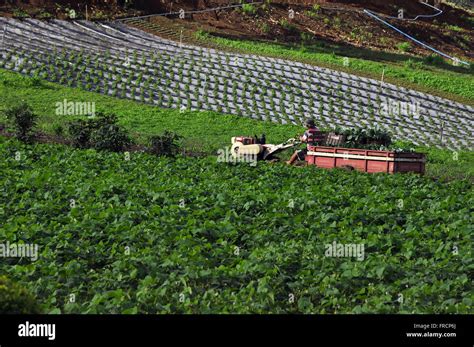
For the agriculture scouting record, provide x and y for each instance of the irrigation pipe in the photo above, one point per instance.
(422, 15)
(371, 14)
(457, 60)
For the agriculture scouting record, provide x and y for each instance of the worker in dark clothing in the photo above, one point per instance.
(311, 137)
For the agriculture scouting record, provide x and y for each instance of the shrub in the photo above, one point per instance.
(165, 145)
(15, 299)
(101, 133)
(24, 120)
(80, 132)
(110, 137)
(313, 13)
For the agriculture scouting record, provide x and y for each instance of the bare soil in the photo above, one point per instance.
(339, 22)
(343, 23)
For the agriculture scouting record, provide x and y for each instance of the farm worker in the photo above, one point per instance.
(311, 136)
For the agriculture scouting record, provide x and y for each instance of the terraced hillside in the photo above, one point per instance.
(118, 60)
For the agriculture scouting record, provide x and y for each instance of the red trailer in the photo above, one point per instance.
(366, 160)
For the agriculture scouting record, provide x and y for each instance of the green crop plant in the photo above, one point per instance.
(222, 192)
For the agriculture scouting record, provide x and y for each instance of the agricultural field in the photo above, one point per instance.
(121, 61)
(195, 236)
(133, 209)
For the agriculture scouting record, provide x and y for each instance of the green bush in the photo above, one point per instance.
(165, 145)
(24, 120)
(80, 132)
(15, 299)
(108, 135)
(101, 133)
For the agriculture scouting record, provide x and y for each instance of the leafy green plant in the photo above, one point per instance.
(15, 299)
(249, 9)
(444, 83)
(110, 137)
(203, 239)
(20, 13)
(167, 144)
(371, 138)
(80, 132)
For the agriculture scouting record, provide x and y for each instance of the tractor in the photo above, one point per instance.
(245, 146)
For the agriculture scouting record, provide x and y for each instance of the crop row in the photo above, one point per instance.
(148, 235)
(168, 75)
